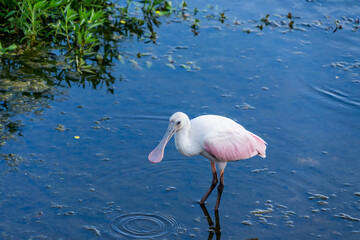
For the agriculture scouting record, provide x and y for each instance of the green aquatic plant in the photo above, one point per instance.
(159, 7)
(84, 36)
(4, 50)
(195, 26)
(337, 25)
(33, 18)
(79, 30)
(222, 17)
(65, 25)
(291, 22)
(266, 19)
(81, 25)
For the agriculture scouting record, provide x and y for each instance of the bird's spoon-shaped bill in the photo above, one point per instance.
(158, 153)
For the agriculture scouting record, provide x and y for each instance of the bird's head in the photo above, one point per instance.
(177, 122)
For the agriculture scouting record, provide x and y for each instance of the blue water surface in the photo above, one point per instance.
(296, 88)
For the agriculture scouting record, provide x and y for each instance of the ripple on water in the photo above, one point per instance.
(338, 97)
(143, 225)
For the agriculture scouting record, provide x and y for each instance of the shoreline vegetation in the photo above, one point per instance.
(77, 28)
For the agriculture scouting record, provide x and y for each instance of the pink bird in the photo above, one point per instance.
(219, 139)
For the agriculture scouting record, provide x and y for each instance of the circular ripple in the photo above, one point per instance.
(143, 225)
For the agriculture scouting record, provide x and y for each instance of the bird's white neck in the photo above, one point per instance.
(183, 142)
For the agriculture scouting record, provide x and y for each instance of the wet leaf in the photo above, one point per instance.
(247, 106)
(348, 217)
(247, 222)
(60, 128)
(12, 47)
(262, 211)
(87, 70)
(291, 24)
(99, 58)
(103, 119)
(69, 213)
(317, 196)
(265, 19)
(170, 59)
(181, 47)
(148, 64)
(135, 63)
(187, 68)
(171, 66)
(170, 188)
(121, 59)
(247, 30)
(93, 229)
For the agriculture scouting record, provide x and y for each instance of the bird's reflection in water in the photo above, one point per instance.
(213, 229)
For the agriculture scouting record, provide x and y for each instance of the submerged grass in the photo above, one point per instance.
(76, 26)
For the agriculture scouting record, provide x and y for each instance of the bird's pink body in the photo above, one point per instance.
(217, 138)
(226, 139)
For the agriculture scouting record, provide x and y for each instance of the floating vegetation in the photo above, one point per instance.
(170, 65)
(170, 188)
(323, 203)
(346, 66)
(259, 170)
(102, 119)
(58, 206)
(310, 161)
(69, 213)
(195, 26)
(190, 66)
(12, 159)
(247, 222)
(261, 211)
(60, 128)
(271, 211)
(93, 229)
(317, 196)
(245, 106)
(348, 217)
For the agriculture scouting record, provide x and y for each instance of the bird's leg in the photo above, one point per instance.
(213, 184)
(220, 189)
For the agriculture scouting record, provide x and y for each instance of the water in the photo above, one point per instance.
(297, 89)
(143, 226)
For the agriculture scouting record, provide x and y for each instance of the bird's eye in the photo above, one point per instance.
(178, 122)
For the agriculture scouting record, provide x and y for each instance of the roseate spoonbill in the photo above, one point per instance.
(217, 138)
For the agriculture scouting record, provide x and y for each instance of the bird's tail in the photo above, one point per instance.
(260, 145)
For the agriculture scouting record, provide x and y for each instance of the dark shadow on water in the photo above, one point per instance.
(214, 229)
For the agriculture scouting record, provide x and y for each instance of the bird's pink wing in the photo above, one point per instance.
(235, 145)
